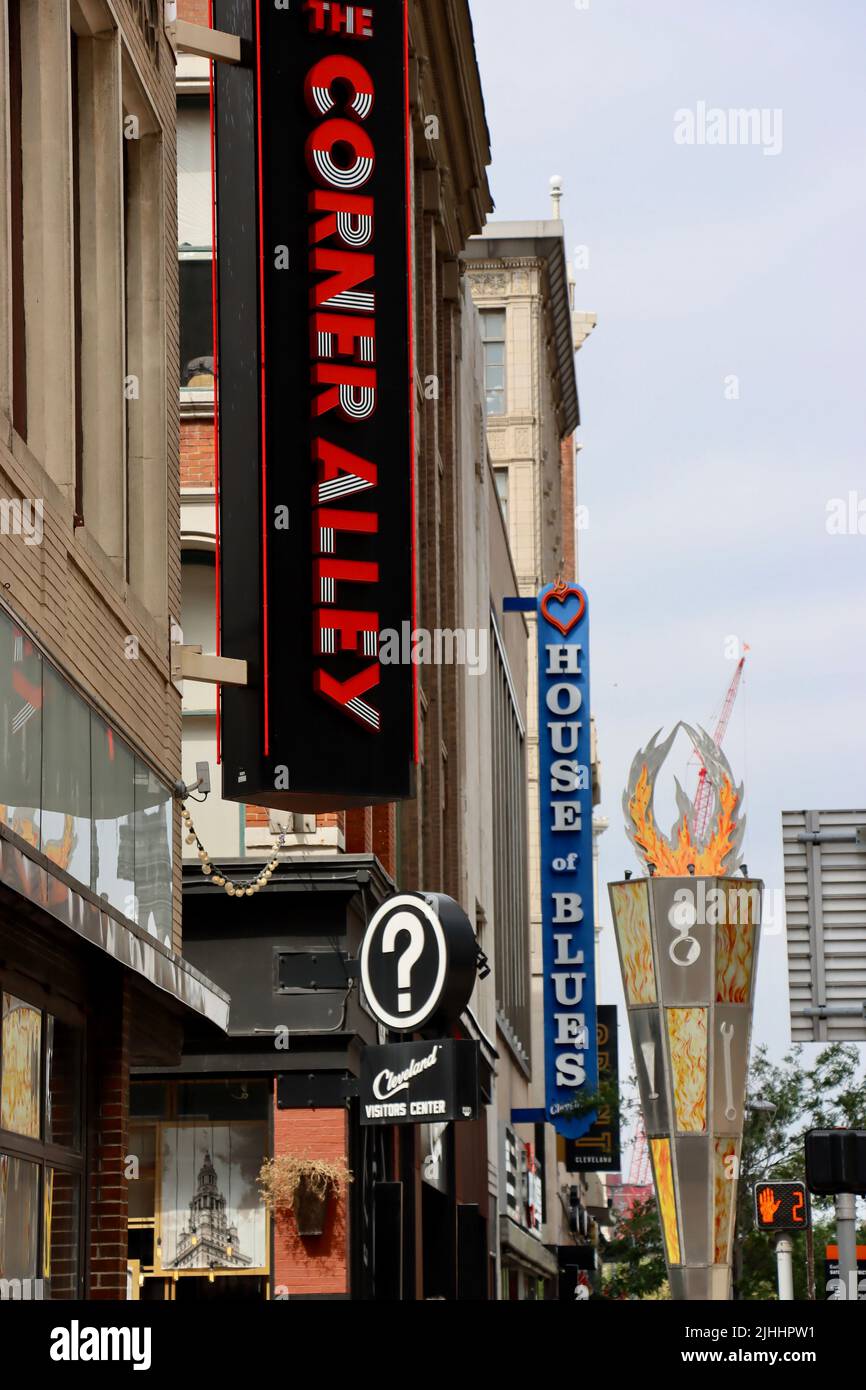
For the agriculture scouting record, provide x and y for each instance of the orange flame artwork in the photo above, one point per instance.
(661, 1156)
(718, 851)
(631, 915)
(687, 1030)
(725, 1186)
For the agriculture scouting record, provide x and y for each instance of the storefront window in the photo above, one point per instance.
(113, 869)
(19, 1218)
(41, 1164)
(66, 796)
(194, 1206)
(62, 1083)
(20, 1091)
(20, 732)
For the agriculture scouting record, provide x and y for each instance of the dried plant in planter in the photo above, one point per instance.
(303, 1185)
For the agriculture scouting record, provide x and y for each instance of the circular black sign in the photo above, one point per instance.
(418, 962)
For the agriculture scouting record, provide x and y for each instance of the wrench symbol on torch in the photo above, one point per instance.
(727, 1031)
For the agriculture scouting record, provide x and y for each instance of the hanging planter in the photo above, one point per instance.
(303, 1186)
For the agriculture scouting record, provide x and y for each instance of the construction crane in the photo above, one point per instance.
(704, 794)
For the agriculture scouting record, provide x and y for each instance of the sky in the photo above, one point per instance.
(722, 393)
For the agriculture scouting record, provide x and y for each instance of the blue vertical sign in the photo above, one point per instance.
(565, 799)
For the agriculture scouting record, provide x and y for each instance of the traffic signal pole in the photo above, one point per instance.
(785, 1267)
(846, 1239)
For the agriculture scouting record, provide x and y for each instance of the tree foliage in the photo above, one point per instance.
(829, 1092)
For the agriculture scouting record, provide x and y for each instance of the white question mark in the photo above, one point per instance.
(404, 922)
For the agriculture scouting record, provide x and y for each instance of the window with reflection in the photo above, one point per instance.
(113, 869)
(20, 731)
(66, 782)
(41, 1162)
(20, 1071)
(19, 1218)
(152, 853)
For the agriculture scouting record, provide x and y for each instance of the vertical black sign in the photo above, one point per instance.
(599, 1150)
(315, 402)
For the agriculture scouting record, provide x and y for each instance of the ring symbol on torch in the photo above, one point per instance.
(408, 923)
(727, 1031)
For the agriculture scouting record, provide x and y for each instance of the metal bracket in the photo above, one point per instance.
(315, 970)
(203, 42)
(187, 663)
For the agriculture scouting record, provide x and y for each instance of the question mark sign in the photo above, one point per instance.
(399, 923)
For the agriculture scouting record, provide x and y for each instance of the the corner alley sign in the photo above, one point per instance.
(316, 402)
(565, 796)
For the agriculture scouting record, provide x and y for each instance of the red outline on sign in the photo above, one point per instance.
(411, 340)
(265, 614)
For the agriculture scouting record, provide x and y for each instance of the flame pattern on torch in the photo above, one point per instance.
(718, 850)
(631, 916)
(687, 1030)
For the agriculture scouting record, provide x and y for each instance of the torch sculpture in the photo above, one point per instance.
(687, 937)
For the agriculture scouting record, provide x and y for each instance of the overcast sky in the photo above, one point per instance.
(708, 515)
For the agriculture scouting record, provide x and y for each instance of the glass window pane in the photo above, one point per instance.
(20, 732)
(153, 853)
(66, 798)
(493, 324)
(495, 378)
(495, 403)
(113, 866)
(62, 1083)
(62, 1220)
(494, 354)
(196, 324)
(20, 1058)
(142, 1188)
(19, 1218)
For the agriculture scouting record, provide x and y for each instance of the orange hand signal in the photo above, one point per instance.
(768, 1206)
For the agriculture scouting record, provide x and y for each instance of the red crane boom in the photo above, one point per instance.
(704, 793)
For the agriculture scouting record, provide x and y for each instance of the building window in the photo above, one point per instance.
(41, 1163)
(510, 878)
(75, 790)
(194, 236)
(195, 1208)
(493, 339)
(501, 476)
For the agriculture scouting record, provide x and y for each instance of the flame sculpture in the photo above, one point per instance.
(719, 850)
(687, 937)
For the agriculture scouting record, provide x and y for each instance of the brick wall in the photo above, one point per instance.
(194, 11)
(317, 1265)
(108, 1186)
(196, 453)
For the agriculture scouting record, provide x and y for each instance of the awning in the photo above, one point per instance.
(524, 1249)
(26, 871)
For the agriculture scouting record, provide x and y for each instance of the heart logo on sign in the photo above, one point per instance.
(560, 595)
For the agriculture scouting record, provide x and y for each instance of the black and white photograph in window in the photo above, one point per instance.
(211, 1212)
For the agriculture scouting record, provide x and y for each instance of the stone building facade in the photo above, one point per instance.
(91, 974)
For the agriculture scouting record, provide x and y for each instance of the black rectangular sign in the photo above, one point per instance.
(419, 1083)
(599, 1150)
(315, 402)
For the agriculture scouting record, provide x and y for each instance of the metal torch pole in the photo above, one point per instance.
(785, 1266)
(846, 1239)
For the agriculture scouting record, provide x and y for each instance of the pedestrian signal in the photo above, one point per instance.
(782, 1206)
